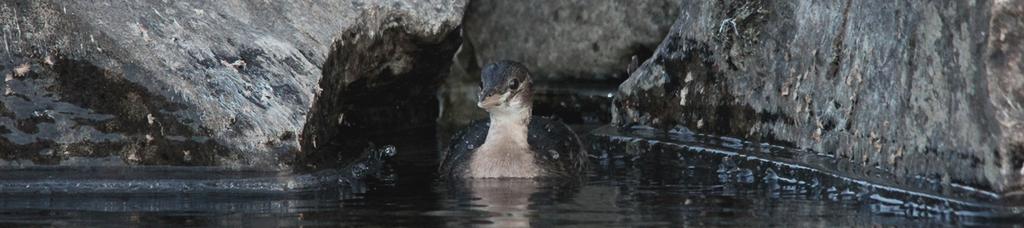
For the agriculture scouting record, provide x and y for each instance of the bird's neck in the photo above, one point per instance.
(509, 125)
(505, 152)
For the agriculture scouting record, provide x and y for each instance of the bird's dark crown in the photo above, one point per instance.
(504, 76)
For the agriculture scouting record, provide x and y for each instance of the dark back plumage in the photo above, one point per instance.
(557, 149)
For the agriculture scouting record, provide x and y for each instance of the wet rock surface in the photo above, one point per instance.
(560, 40)
(195, 83)
(930, 89)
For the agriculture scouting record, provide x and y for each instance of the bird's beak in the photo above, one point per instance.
(488, 101)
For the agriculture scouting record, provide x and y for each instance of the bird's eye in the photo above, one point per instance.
(514, 85)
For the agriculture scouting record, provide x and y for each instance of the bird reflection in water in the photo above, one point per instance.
(507, 201)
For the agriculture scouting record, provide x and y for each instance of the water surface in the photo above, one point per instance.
(619, 191)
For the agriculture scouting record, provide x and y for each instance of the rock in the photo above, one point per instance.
(560, 40)
(919, 89)
(224, 83)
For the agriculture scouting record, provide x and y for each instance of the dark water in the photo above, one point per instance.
(619, 191)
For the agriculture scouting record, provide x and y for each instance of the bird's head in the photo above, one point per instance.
(505, 87)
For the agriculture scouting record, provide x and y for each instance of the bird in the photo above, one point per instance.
(512, 143)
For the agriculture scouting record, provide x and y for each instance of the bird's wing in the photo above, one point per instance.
(461, 147)
(557, 147)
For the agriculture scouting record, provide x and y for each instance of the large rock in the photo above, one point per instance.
(227, 83)
(927, 89)
(575, 39)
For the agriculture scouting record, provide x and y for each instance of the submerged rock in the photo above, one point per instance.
(922, 90)
(567, 39)
(226, 83)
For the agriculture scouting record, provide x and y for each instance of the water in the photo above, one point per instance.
(637, 186)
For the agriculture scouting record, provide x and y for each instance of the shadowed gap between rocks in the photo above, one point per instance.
(374, 89)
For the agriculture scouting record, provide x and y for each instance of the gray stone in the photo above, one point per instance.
(919, 89)
(226, 83)
(567, 39)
